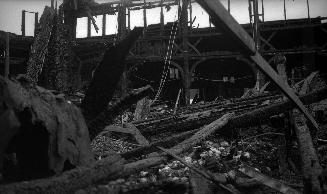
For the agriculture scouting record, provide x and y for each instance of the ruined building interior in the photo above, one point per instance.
(164, 96)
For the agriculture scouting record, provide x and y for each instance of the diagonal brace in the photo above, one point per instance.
(221, 18)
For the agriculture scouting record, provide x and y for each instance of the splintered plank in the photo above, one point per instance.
(222, 19)
(39, 48)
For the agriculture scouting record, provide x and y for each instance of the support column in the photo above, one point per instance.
(129, 19)
(104, 23)
(121, 21)
(285, 11)
(36, 21)
(256, 33)
(144, 15)
(308, 8)
(256, 24)
(88, 27)
(121, 35)
(229, 6)
(23, 22)
(262, 11)
(191, 15)
(187, 73)
(162, 20)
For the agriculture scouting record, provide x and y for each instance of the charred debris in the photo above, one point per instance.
(73, 119)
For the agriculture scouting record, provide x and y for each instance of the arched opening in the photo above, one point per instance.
(222, 78)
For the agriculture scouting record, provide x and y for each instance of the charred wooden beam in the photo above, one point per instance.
(311, 168)
(263, 115)
(246, 115)
(60, 69)
(203, 134)
(39, 48)
(179, 148)
(106, 76)
(163, 143)
(199, 117)
(206, 174)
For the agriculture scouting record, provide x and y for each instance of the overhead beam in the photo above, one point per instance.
(222, 19)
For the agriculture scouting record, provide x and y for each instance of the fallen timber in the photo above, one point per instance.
(251, 118)
(98, 94)
(204, 116)
(311, 168)
(110, 168)
(137, 166)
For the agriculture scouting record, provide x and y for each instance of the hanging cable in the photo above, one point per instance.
(167, 59)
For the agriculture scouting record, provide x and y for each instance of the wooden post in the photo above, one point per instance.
(263, 11)
(187, 74)
(52, 4)
(256, 24)
(144, 15)
(128, 19)
(256, 34)
(104, 21)
(228, 6)
(284, 10)
(7, 56)
(209, 21)
(36, 21)
(250, 11)
(162, 20)
(23, 22)
(88, 27)
(308, 7)
(191, 15)
(121, 35)
(122, 21)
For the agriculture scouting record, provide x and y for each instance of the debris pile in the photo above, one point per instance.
(263, 142)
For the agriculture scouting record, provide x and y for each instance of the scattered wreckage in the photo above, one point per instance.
(46, 139)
